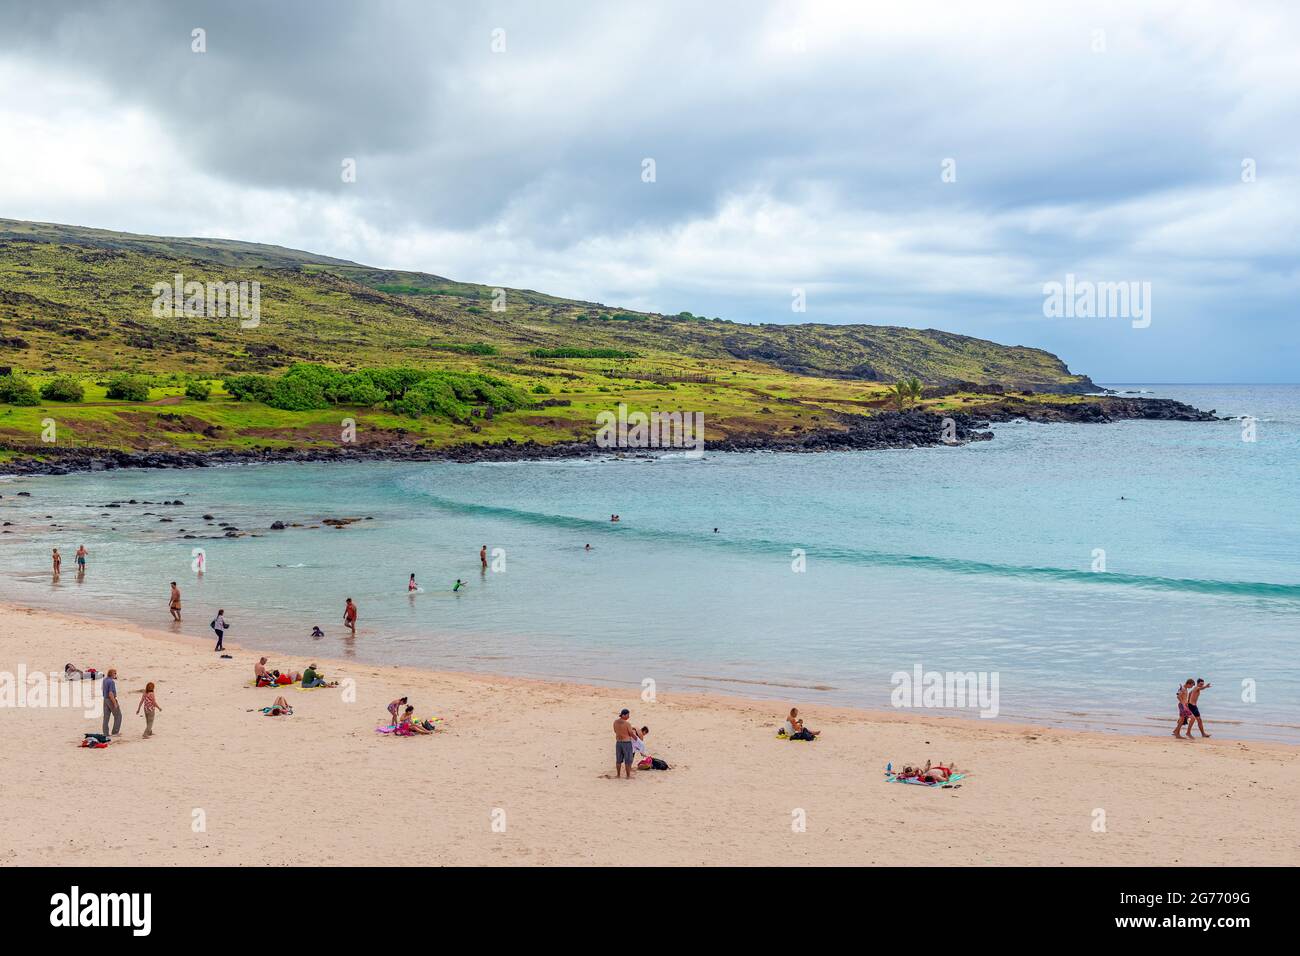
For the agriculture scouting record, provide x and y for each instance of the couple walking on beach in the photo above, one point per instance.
(112, 709)
(1189, 713)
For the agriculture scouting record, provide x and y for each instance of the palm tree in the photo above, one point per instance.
(906, 390)
(914, 389)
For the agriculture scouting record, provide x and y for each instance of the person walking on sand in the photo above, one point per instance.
(111, 706)
(350, 617)
(57, 560)
(175, 603)
(219, 625)
(1184, 712)
(482, 556)
(624, 733)
(150, 704)
(1192, 698)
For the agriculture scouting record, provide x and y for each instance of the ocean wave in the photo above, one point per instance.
(1211, 586)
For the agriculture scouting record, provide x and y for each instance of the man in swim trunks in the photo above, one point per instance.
(1193, 696)
(175, 603)
(482, 556)
(350, 616)
(1184, 712)
(623, 734)
(81, 558)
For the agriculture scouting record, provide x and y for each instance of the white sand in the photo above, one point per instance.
(323, 787)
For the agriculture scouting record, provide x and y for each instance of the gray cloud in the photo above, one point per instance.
(795, 146)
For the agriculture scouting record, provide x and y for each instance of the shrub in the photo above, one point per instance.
(356, 389)
(63, 388)
(570, 352)
(16, 390)
(128, 388)
(541, 390)
(249, 388)
(197, 390)
(297, 394)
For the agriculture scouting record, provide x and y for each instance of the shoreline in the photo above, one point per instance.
(887, 430)
(321, 787)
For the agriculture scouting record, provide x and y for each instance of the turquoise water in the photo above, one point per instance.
(969, 559)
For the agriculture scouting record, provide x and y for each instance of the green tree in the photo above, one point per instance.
(63, 388)
(16, 390)
(128, 388)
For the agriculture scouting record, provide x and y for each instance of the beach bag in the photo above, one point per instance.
(658, 764)
(646, 764)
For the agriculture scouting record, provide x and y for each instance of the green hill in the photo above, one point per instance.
(78, 301)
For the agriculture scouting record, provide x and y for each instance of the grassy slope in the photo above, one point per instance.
(79, 300)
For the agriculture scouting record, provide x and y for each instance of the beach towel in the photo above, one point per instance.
(895, 778)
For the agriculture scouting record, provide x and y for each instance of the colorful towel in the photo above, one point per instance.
(895, 778)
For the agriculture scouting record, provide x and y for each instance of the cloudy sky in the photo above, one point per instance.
(794, 146)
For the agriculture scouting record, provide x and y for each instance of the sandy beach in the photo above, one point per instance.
(523, 774)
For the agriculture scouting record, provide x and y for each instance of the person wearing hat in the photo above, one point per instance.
(623, 735)
(311, 679)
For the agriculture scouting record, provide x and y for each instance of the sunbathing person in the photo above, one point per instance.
(76, 673)
(280, 708)
(930, 773)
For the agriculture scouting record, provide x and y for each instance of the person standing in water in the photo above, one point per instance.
(457, 586)
(411, 585)
(350, 616)
(57, 560)
(482, 556)
(174, 605)
(81, 559)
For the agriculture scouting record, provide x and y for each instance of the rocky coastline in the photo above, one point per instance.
(884, 430)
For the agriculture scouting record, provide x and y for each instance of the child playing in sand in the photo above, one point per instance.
(150, 704)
